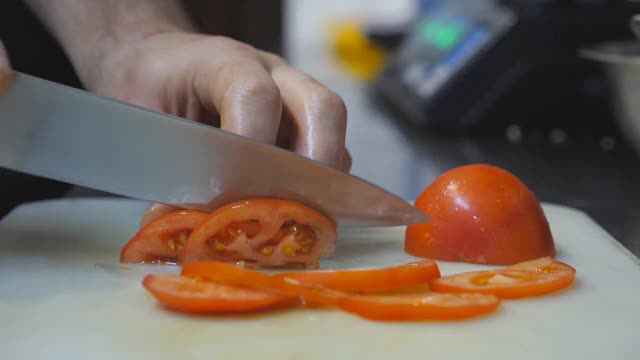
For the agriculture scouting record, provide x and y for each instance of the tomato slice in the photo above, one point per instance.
(419, 307)
(263, 232)
(225, 273)
(197, 296)
(155, 211)
(531, 278)
(415, 273)
(480, 214)
(163, 239)
(389, 307)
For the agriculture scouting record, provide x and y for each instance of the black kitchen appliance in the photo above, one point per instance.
(479, 65)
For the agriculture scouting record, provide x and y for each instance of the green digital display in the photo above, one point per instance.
(442, 34)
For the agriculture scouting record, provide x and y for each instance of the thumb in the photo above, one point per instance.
(5, 70)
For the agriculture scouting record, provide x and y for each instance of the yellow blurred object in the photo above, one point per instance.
(355, 53)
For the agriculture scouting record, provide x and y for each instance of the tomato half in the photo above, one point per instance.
(480, 214)
(265, 232)
(163, 239)
(225, 273)
(419, 307)
(415, 273)
(197, 296)
(530, 278)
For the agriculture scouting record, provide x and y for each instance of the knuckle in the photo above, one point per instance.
(264, 89)
(232, 45)
(329, 100)
(272, 58)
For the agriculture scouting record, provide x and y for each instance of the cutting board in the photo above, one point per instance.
(64, 295)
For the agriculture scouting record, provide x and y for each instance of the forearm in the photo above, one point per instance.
(88, 30)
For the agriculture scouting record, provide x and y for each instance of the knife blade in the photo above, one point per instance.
(70, 135)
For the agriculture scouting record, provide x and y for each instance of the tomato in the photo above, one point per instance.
(530, 278)
(163, 239)
(389, 307)
(197, 296)
(155, 211)
(411, 274)
(480, 214)
(265, 232)
(419, 307)
(225, 273)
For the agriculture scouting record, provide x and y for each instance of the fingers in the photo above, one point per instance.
(319, 115)
(5, 70)
(346, 161)
(242, 91)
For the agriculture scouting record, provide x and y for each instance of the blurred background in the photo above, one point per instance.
(543, 88)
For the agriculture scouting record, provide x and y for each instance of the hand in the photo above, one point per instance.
(145, 52)
(219, 81)
(5, 70)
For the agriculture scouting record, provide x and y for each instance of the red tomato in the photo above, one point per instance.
(163, 239)
(197, 296)
(480, 214)
(530, 278)
(265, 232)
(155, 211)
(225, 273)
(389, 307)
(419, 307)
(415, 273)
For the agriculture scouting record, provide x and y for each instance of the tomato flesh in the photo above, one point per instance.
(531, 278)
(420, 307)
(480, 214)
(235, 275)
(263, 232)
(163, 239)
(303, 239)
(415, 273)
(205, 287)
(190, 295)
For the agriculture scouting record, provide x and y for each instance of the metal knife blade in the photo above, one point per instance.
(54, 131)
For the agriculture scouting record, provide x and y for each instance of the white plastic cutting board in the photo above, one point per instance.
(63, 295)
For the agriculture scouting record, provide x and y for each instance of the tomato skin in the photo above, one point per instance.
(149, 245)
(420, 307)
(480, 214)
(195, 296)
(155, 211)
(271, 214)
(530, 278)
(225, 273)
(318, 287)
(416, 273)
(211, 286)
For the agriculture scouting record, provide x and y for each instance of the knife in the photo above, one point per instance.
(70, 135)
